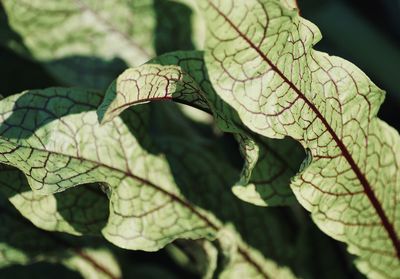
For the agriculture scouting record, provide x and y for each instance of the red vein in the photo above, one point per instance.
(361, 177)
(174, 197)
(95, 264)
(139, 101)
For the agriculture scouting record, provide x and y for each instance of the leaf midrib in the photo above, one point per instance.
(346, 154)
(241, 249)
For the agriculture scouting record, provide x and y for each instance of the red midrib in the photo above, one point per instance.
(361, 177)
(174, 197)
(95, 264)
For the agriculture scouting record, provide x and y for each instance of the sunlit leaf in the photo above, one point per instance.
(160, 189)
(89, 42)
(80, 210)
(17, 247)
(260, 60)
(182, 77)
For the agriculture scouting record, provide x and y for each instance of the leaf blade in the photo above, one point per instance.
(182, 77)
(159, 189)
(281, 87)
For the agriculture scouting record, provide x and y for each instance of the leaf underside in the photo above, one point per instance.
(182, 77)
(260, 60)
(142, 188)
(81, 255)
(159, 189)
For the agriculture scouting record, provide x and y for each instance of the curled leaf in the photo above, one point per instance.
(260, 60)
(160, 189)
(17, 247)
(183, 78)
(79, 211)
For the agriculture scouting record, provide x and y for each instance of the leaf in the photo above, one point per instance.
(160, 189)
(92, 264)
(199, 256)
(87, 42)
(182, 77)
(7, 36)
(252, 247)
(267, 170)
(17, 247)
(79, 211)
(62, 145)
(260, 60)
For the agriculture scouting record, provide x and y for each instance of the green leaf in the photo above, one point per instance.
(182, 77)
(78, 211)
(251, 247)
(91, 264)
(22, 243)
(269, 166)
(59, 144)
(260, 60)
(199, 256)
(160, 189)
(87, 42)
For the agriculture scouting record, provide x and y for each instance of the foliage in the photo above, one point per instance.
(109, 160)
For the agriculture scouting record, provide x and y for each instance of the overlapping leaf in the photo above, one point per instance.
(182, 77)
(248, 244)
(201, 256)
(80, 210)
(89, 42)
(269, 166)
(17, 247)
(58, 144)
(260, 61)
(159, 190)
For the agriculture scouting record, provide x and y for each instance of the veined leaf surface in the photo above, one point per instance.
(79, 211)
(89, 42)
(59, 144)
(269, 166)
(159, 189)
(183, 77)
(17, 247)
(260, 60)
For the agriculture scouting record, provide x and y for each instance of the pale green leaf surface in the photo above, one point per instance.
(269, 166)
(59, 144)
(89, 42)
(80, 210)
(182, 77)
(252, 247)
(260, 60)
(23, 244)
(199, 256)
(89, 263)
(237, 267)
(158, 192)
